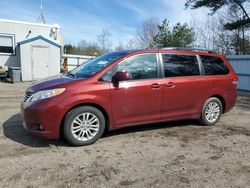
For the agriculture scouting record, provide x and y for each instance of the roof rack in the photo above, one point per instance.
(189, 49)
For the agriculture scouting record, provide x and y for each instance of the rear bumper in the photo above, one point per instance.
(42, 119)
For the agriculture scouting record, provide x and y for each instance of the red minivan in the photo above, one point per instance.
(127, 88)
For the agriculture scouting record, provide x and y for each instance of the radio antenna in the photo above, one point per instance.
(41, 17)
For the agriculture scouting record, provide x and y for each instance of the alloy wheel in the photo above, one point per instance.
(85, 126)
(212, 112)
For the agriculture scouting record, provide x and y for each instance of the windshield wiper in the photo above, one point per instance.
(70, 75)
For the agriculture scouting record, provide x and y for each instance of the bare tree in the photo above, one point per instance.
(82, 43)
(210, 34)
(147, 32)
(133, 43)
(227, 30)
(120, 46)
(88, 48)
(104, 41)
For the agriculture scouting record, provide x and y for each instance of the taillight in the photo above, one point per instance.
(235, 80)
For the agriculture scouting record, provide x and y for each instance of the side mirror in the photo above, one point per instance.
(120, 76)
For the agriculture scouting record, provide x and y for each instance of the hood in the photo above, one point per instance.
(49, 83)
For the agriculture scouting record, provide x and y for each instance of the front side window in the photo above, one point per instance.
(140, 66)
(214, 65)
(180, 65)
(7, 44)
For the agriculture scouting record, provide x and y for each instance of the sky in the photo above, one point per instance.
(85, 19)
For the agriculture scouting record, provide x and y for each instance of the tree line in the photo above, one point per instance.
(225, 30)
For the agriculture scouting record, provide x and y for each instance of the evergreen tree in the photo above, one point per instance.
(179, 36)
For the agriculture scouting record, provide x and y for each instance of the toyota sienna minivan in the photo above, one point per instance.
(128, 88)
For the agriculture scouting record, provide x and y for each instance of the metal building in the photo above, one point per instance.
(34, 47)
(241, 65)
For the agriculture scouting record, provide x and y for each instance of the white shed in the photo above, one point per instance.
(40, 58)
(33, 47)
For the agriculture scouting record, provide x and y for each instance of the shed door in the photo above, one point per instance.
(40, 62)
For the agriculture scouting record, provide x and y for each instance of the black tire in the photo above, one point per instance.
(203, 119)
(70, 117)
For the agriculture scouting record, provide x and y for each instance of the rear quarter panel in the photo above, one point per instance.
(223, 86)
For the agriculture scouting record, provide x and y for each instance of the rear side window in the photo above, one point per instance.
(214, 65)
(180, 65)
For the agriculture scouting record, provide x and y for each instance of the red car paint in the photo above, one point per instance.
(134, 102)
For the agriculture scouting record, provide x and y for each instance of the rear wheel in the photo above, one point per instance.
(211, 111)
(83, 125)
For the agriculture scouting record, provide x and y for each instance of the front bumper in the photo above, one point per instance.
(42, 118)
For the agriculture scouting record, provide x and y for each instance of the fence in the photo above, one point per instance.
(73, 61)
(241, 65)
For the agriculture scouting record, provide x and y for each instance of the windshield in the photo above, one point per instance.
(95, 65)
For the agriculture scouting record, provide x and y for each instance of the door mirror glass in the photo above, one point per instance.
(121, 76)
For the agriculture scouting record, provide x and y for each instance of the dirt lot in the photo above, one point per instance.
(175, 154)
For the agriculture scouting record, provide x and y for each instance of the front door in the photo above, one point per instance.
(137, 100)
(40, 62)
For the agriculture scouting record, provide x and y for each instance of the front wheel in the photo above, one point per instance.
(83, 125)
(211, 111)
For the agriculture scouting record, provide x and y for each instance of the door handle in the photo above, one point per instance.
(155, 86)
(170, 84)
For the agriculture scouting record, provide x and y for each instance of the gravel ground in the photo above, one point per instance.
(173, 154)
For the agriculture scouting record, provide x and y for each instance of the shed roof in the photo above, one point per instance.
(39, 37)
(31, 23)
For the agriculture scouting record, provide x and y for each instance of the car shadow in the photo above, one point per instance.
(152, 126)
(243, 101)
(13, 130)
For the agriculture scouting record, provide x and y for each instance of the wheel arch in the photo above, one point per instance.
(99, 107)
(221, 98)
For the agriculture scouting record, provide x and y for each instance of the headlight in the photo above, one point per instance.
(45, 94)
